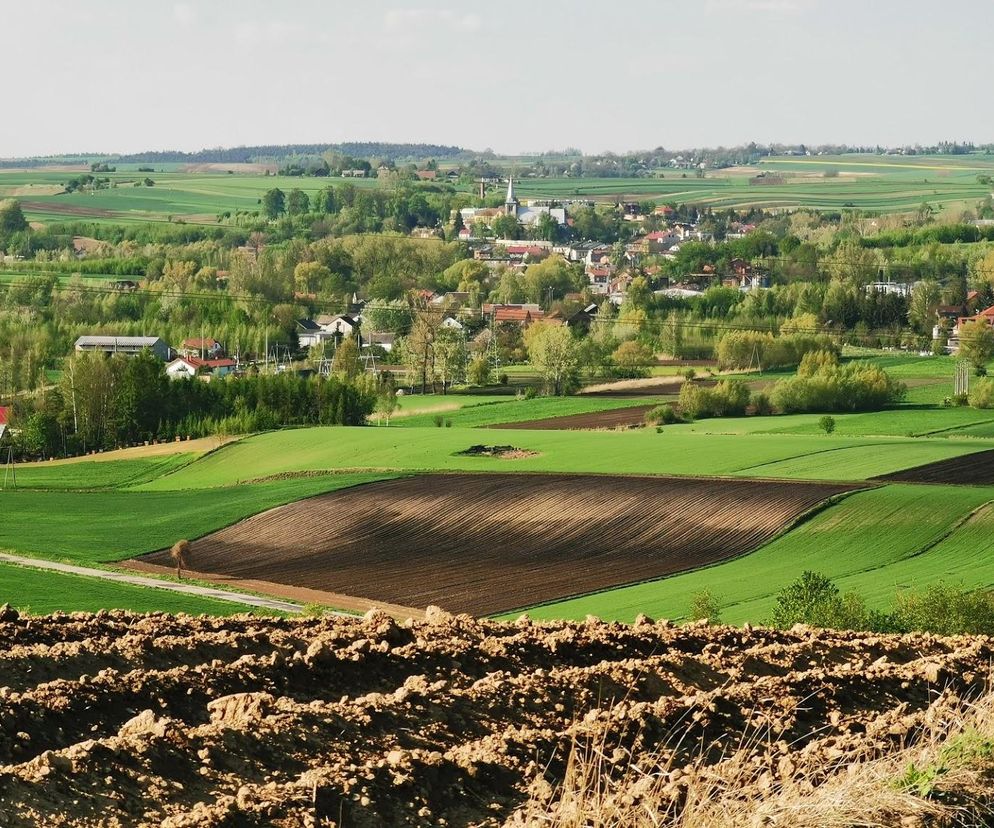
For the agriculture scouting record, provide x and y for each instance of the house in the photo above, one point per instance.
(452, 323)
(452, 299)
(206, 348)
(378, 340)
(891, 288)
(340, 325)
(186, 367)
(353, 173)
(522, 315)
(312, 332)
(583, 318)
(127, 345)
(426, 175)
(661, 240)
(4, 419)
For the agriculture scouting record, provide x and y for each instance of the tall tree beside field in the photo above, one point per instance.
(274, 203)
(346, 362)
(925, 298)
(976, 343)
(11, 218)
(451, 356)
(555, 354)
(419, 345)
(297, 202)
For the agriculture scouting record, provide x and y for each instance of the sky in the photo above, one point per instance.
(514, 76)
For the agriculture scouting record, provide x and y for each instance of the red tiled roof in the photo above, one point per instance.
(3, 415)
(208, 342)
(517, 315)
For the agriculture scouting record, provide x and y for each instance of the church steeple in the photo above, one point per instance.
(511, 203)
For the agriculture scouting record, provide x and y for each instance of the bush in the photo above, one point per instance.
(813, 599)
(761, 404)
(631, 360)
(982, 394)
(705, 606)
(945, 610)
(726, 399)
(661, 415)
(752, 349)
(531, 392)
(821, 384)
(827, 424)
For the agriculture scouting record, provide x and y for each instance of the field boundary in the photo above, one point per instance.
(800, 520)
(258, 601)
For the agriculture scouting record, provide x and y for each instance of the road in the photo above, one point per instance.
(138, 580)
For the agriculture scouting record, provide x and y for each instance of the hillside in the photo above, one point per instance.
(122, 719)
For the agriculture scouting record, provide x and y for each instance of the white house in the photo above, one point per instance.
(452, 323)
(189, 367)
(311, 332)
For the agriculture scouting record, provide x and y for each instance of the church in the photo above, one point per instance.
(530, 213)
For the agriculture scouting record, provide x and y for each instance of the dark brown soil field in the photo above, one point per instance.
(618, 418)
(488, 543)
(177, 722)
(975, 469)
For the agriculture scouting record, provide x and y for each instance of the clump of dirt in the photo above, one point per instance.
(158, 720)
(502, 452)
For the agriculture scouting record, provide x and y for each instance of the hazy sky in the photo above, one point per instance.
(512, 75)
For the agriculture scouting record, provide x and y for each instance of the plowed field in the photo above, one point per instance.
(971, 469)
(618, 418)
(129, 720)
(486, 543)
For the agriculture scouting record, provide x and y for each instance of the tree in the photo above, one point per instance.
(309, 277)
(827, 424)
(976, 343)
(179, 553)
(505, 227)
(346, 362)
(553, 352)
(386, 401)
(419, 345)
(925, 298)
(297, 202)
(450, 356)
(273, 203)
(549, 279)
(11, 218)
(479, 370)
(632, 359)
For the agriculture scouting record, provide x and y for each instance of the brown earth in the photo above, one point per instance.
(128, 720)
(975, 469)
(236, 167)
(489, 543)
(618, 418)
(67, 209)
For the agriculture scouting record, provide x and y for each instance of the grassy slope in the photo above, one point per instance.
(512, 410)
(91, 527)
(890, 526)
(98, 474)
(39, 592)
(631, 452)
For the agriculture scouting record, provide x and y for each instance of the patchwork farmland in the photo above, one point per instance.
(488, 543)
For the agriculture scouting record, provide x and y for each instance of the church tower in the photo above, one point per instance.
(511, 203)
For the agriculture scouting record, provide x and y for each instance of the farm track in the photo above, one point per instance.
(970, 469)
(489, 543)
(616, 418)
(121, 719)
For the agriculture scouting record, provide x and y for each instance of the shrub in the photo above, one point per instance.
(705, 606)
(761, 404)
(982, 394)
(814, 599)
(726, 399)
(821, 384)
(631, 360)
(945, 610)
(531, 392)
(438, 420)
(661, 415)
(752, 349)
(827, 424)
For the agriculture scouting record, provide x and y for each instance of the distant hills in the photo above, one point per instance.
(257, 154)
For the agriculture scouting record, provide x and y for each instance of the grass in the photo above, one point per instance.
(872, 542)
(105, 526)
(512, 410)
(39, 592)
(98, 474)
(613, 452)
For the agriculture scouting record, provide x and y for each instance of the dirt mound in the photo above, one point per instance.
(122, 719)
(489, 543)
(502, 452)
(969, 469)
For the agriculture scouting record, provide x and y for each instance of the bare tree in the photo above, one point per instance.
(179, 554)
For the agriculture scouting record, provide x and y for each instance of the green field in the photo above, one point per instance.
(90, 527)
(609, 452)
(872, 542)
(868, 182)
(38, 592)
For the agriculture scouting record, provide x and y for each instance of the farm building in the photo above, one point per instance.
(186, 367)
(127, 345)
(378, 340)
(311, 332)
